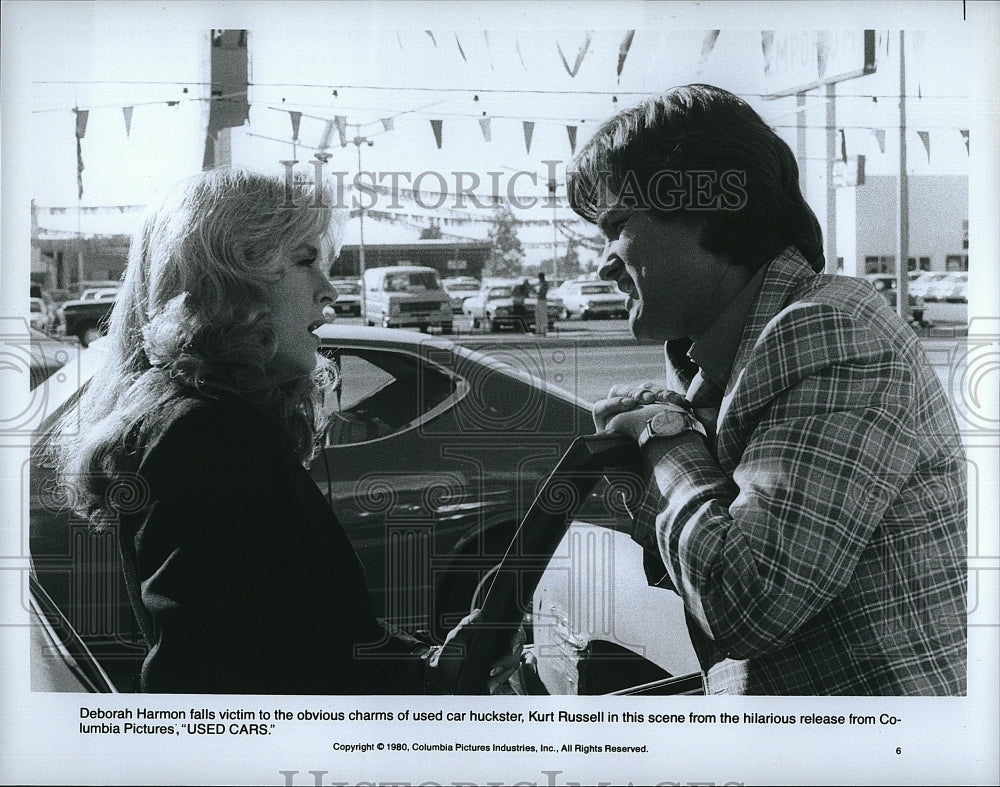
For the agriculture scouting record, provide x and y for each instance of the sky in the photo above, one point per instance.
(414, 69)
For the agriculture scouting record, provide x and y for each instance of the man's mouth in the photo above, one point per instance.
(627, 286)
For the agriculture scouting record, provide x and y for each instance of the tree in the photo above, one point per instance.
(571, 262)
(508, 253)
(431, 232)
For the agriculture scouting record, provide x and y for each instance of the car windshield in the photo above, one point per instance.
(417, 281)
(596, 289)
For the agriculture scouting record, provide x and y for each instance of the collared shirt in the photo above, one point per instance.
(716, 350)
(822, 547)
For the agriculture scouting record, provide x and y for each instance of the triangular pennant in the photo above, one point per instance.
(843, 146)
(880, 138)
(484, 124)
(81, 130)
(432, 37)
(296, 119)
(327, 139)
(965, 135)
(387, 124)
(623, 49)
(127, 114)
(767, 49)
(340, 121)
(571, 131)
(81, 122)
(707, 45)
(436, 126)
(925, 137)
(580, 54)
(517, 46)
(822, 52)
(529, 129)
(460, 50)
(486, 35)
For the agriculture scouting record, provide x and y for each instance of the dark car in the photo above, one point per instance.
(348, 297)
(433, 455)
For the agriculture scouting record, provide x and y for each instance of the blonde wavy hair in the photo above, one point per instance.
(192, 318)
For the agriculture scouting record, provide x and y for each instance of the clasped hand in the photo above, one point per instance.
(628, 407)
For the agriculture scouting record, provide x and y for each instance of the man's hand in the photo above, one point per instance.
(627, 407)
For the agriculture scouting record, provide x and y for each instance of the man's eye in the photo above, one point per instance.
(612, 223)
(307, 262)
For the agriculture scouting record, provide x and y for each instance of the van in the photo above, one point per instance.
(406, 296)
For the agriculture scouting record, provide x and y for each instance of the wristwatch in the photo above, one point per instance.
(670, 423)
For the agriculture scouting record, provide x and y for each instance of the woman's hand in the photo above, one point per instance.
(445, 661)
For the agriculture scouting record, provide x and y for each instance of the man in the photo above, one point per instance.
(517, 308)
(541, 306)
(807, 491)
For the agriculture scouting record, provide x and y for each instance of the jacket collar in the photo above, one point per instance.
(785, 275)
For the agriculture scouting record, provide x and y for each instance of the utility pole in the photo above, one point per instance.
(358, 141)
(555, 241)
(902, 198)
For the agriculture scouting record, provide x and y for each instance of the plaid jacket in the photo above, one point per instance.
(822, 548)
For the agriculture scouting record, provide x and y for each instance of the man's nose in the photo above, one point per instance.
(607, 266)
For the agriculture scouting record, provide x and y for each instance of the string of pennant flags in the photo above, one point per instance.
(236, 109)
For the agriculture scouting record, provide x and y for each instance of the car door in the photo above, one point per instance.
(430, 461)
(572, 585)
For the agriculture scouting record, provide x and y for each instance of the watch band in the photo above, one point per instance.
(670, 422)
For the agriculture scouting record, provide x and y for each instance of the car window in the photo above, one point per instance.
(595, 289)
(382, 392)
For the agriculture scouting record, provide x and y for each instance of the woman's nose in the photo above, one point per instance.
(327, 293)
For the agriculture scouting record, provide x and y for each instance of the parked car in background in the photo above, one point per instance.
(40, 316)
(87, 318)
(433, 455)
(921, 282)
(591, 300)
(885, 283)
(406, 296)
(348, 296)
(951, 287)
(493, 306)
(459, 288)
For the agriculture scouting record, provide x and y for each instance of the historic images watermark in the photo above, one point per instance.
(664, 191)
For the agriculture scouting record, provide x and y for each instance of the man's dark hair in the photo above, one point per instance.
(701, 152)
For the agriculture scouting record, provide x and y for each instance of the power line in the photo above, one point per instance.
(489, 91)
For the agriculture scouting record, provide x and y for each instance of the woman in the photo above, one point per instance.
(206, 412)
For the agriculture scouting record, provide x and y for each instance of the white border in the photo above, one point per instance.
(944, 741)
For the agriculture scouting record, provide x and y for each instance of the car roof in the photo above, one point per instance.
(401, 269)
(335, 334)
